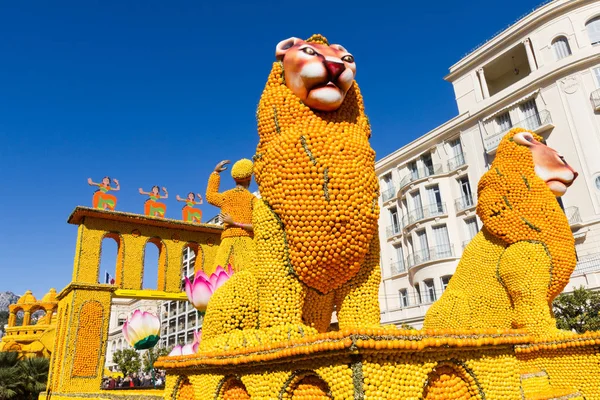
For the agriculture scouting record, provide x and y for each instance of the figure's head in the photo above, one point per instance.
(191, 196)
(318, 73)
(106, 180)
(242, 172)
(548, 164)
(155, 189)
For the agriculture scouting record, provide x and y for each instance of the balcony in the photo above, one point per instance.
(417, 299)
(456, 161)
(595, 99)
(430, 211)
(430, 254)
(463, 203)
(587, 264)
(392, 231)
(573, 216)
(388, 194)
(537, 123)
(421, 173)
(398, 267)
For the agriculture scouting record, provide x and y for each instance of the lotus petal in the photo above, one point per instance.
(176, 351)
(187, 350)
(188, 290)
(221, 279)
(201, 293)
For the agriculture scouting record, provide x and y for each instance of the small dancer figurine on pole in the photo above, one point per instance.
(152, 207)
(189, 213)
(237, 245)
(102, 200)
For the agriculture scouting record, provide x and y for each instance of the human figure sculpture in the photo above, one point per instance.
(102, 199)
(237, 246)
(152, 207)
(524, 255)
(189, 213)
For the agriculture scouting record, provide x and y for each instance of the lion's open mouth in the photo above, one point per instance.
(325, 84)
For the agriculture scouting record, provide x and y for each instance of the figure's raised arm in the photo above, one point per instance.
(212, 191)
(117, 187)
(166, 196)
(179, 198)
(200, 201)
(142, 192)
(92, 183)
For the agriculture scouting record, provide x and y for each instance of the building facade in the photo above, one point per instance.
(543, 74)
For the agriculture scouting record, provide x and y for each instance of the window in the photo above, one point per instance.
(417, 204)
(435, 200)
(424, 246)
(561, 48)
(387, 181)
(597, 182)
(596, 72)
(121, 321)
(398, 265)
(472, 227)
(394, 220)
(418, 293)
(593, 30)
(414, 172)
(445, 280)
(504, 122)
(403, 297)
(466, 198)
(429, 290)
(457, 157)
(442, 241)
(531, 117)
(427, 163)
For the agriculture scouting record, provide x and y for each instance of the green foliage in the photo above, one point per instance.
(3, 321)
(406, 326)
(23, 379)
(578, 311)
(152, 355)
(128, 361)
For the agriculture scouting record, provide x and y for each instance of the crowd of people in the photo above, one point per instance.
(134, 380)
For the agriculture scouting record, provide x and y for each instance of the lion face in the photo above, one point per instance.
(318, 74)
(549, 165)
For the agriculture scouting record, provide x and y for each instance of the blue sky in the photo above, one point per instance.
(158, 92)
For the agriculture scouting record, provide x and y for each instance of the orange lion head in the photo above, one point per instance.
(318, 73)
(517, 200)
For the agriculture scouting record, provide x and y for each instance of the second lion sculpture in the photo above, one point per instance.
(317, 248)
(524, 255)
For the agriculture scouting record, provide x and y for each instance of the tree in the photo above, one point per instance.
(155, 352)
(9, 376)
(578, 311)
(128, 361)
(3, 321)
(33, 376)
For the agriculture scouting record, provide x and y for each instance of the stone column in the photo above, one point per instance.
(530, 58)
(12, 319)
(27, 318)
(484, 87)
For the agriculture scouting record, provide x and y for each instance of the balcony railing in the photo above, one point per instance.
(573, 216)
(393, 230)
(464, 202)
(414, 299)
(388, 194)
(398, 267)
(421, 173)
(587, 264)
(595, 99)
(430, 254)
(456, 162)
(430, 211)
(537, 123)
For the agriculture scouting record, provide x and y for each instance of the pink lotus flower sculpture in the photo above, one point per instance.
(188, 348)
(142, 330)
(200, 291)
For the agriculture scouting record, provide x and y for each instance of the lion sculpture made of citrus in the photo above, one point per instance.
(317, 248)
(524, 255)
